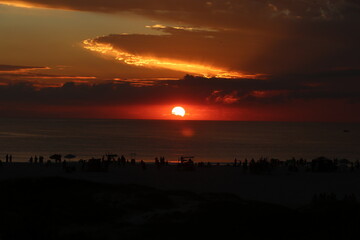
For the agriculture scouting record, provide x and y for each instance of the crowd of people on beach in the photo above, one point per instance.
(333, 198)
(36, 159)
(8, 158)
(259, 166)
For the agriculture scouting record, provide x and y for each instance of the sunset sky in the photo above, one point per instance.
(261, 60)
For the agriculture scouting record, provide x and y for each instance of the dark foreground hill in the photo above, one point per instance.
(57, 208)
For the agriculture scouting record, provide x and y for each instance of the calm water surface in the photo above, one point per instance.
(216, 141)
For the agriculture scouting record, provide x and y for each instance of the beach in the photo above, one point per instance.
(144, 179)
(50, 202)
(280, 186)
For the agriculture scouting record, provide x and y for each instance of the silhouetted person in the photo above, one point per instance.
(31, 160)
(35, 159)
(47, 164)
(143, 165)
(245, 165)
(157, 162)
(162, 161)
(123, 160)
(7, 158)
(64, 164)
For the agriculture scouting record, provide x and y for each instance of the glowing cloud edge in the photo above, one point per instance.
(153, 62)
(22, 4)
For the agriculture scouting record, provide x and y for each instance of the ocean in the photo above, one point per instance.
(213, 141)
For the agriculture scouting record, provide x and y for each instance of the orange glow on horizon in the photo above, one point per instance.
(150, 62)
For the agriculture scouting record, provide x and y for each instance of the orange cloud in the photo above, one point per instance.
(10, 74)
(155, 62)
(269, 93)
(219, 96)
(248, 37)
(74, 78)
(22, 4)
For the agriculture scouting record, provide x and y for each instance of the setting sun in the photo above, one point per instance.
(178, 111)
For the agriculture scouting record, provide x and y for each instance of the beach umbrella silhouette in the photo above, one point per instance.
(69, 156)
(56, 157)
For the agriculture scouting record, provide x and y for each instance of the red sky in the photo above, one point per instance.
(246, 60)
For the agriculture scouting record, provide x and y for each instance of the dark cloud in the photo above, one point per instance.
(191, 89)
(284, 95)
(14, 68)
(213, 12)
(288, 46)
(12, 74)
